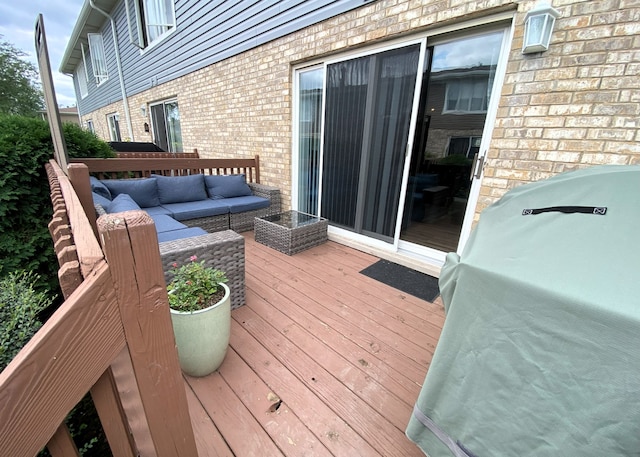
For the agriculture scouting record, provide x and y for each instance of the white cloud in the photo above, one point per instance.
(467, 52)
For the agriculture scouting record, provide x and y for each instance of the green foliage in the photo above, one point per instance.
(83, 143)
(25, 206)
(194, 286)
(20, 306)
(25, 243)
(454, 159)
(19, 88)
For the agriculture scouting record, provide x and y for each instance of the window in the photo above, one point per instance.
(154, 20)
(81, 77)
(467, 146)
(114, 127)
(98, 60)
(467, 95)
(165, 119)
(90, 126)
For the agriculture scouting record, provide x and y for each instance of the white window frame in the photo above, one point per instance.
(98, 58)
(81, 76)
(142, 20)
(167, 128)
(466, 109)
(113, 121)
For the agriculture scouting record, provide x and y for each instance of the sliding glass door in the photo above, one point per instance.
(368, 112)
(385, 141)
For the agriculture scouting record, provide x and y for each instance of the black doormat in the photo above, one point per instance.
(405, 279)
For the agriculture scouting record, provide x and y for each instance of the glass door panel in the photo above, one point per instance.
(367, 118)
(455, 94)
(309, 119)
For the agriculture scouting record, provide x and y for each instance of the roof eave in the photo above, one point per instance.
(89, 20)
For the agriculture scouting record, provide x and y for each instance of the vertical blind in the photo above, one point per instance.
(367, 120)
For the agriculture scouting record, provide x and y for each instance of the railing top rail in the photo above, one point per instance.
(121, 165)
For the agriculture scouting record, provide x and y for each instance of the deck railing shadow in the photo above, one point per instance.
(113, 329)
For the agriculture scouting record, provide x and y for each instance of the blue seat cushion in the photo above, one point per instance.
(143, 191)
(166, 223)
(179, 234)
(156, 210)
(227, 186)
(122, 202)
(178, 189)
(241, 204)
(193, 210)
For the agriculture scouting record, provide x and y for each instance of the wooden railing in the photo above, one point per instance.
(144, 167)
(112, 330)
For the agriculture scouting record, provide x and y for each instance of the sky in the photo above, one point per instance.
(17, 24)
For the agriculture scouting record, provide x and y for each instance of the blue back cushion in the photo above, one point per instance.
(122, 202)
(99, 188)
(227, 186)
(143, 191)
(178, 189)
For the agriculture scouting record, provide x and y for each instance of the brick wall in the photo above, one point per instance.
(575, 105)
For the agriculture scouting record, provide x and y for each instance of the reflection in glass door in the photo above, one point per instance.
(455, 94)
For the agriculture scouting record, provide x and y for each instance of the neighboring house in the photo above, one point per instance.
(369, 112)
(66, 115)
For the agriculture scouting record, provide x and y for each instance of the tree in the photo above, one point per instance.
(19, 87)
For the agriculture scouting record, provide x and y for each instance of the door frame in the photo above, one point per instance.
(414, 252)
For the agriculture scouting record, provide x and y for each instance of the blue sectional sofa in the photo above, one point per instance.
(191, 205)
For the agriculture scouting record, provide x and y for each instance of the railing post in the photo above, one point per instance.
(131, 248)
(79, 177)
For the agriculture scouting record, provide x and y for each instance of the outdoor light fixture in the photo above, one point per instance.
(143, 110)
(538, 25)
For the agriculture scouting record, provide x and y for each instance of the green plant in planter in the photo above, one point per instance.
(195, 286)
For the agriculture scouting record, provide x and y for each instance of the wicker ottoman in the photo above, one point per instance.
(290, 232)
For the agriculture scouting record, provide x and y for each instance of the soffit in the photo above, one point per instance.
(89, 21)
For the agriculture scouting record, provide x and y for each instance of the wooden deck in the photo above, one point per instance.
(323, 361)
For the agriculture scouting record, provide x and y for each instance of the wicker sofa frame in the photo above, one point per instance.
(223, 248)
(122, 168)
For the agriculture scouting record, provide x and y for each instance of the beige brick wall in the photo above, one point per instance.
(575, 105)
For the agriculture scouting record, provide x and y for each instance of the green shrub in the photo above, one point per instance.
(25, 206)
(20, 306)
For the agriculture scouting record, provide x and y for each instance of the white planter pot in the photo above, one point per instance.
(202, 337)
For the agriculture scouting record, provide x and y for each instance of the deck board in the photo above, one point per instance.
(345, 354)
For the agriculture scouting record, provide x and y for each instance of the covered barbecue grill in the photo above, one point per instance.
(540, 351)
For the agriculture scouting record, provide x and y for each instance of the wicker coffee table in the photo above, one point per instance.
(291, 232)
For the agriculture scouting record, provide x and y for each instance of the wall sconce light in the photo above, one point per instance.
(146, 127)
(538, 25)
(143, 110)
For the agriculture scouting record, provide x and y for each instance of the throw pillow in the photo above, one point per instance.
(179, 189)
(99, 188)
(100, 200)
(143, 191)
(227, 186)
(122, 202)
